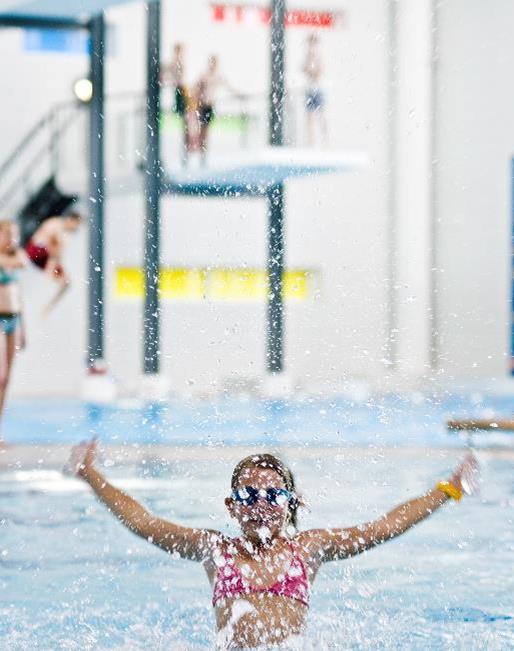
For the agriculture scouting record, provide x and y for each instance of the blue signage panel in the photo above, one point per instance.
(56, 40)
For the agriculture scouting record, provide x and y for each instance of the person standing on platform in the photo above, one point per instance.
(205, 96)
(173, 74)
(314, 97)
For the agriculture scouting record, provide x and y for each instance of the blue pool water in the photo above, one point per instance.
(72, 578)
(405, 419)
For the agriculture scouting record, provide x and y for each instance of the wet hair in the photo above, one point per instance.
(270, 462)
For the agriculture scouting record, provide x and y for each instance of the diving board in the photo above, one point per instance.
(253, 175)
(481, 424)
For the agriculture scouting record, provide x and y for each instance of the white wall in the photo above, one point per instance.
(330, 221)
(338, 225)
(474, 147)
(32, 82)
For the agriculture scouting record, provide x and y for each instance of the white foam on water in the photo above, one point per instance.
(53, 481)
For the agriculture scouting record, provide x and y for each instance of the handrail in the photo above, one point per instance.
(46, 119)
(58, 107)
(49, 115)
(57, 120)
(6, 196)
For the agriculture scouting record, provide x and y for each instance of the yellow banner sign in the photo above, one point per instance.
(211, 283)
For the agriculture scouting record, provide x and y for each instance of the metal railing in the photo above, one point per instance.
(36, 157)
(58, 143)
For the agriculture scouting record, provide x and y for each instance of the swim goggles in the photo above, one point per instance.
(248, 495)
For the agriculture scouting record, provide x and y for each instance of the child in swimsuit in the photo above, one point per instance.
(46, 246)
(12, 259)
(261, 580)
(45, 250)
(314, 97)
(205, 95)
(173, 74)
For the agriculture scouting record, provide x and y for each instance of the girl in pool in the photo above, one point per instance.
(12, 259)
(261, 580)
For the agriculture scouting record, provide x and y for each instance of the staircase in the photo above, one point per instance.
(47, 202)
(29, 175)
(48, 169)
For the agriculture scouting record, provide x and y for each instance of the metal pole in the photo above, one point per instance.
(96, 193)
(275, 197)
(277, 87)
(41, 22)
(151, 323)
(275, 355)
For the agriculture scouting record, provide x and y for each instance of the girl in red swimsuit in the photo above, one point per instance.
(45, 247)
(261, 580)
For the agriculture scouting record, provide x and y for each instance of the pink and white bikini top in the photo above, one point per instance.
(230, 582)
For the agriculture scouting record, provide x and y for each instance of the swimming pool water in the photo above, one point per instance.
(390, 420)
(72, 578)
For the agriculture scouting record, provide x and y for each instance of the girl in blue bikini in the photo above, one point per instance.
(262, 579)
(12, 259)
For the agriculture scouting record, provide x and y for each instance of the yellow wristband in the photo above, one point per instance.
(450, 490)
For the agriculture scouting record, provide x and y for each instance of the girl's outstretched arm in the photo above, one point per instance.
(192, 544)
(334, 544)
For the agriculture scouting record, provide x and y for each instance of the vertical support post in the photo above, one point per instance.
(96, 192)
(277, 87)
(414, 195)
(275, 196)
(392, 235)
(151, 322)
(435, 273)
(275, 355)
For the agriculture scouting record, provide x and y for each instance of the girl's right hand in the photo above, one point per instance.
(82, 459)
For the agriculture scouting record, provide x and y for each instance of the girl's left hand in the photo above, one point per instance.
(81, 459)
(467, 474)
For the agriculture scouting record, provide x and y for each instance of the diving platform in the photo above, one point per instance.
(481, 425)
(255, 174)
